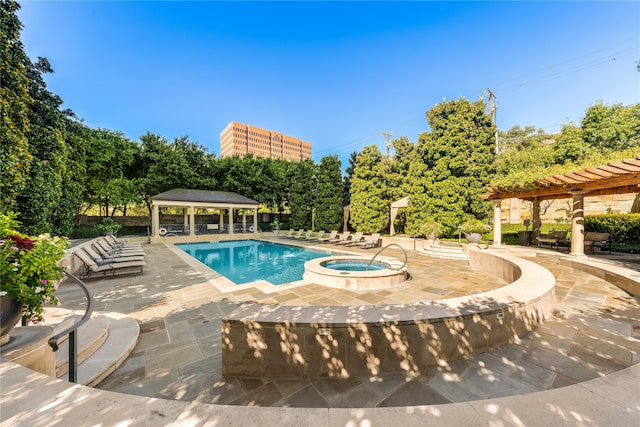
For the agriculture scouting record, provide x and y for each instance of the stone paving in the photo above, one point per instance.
(595, 330)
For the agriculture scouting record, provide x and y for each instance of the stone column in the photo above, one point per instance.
(155, 221)
(535, 221)
(497, 222)
(577, 223)
(231, 220)
(192, 221)
(255, 220)
(221, 220)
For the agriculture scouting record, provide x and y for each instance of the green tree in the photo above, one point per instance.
(109, 170)
(459, 161)
(43, 190)
(369, 210)
(14, 107)
(346, 179)
(611, 128)
(328, 194)
(301, 188)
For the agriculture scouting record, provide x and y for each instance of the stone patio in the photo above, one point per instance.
(595, 331)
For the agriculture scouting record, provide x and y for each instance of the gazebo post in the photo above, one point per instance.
(155, 220)
(192, 221)
(221, 219)
(255, 220)
(497, 222)
(577, 223)
(230, 219)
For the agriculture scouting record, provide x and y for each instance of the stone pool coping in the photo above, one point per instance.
(263, 340)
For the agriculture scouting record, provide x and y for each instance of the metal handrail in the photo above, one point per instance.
(385, 247)
(71, 331)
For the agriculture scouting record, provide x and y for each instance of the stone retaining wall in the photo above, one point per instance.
(313, 341)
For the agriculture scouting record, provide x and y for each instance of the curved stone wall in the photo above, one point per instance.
(292, 342)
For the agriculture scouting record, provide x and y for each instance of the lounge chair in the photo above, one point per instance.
(111, 250)
(355, 239)
(371, 242)
(297, 234)
(116, 243)
(331, 236)
(91, 269)
(100, 260)
(343, 238)
(114, 255)
(304, 236)
(288, 235)
(316, 237)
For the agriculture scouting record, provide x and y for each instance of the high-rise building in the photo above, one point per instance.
(237, 139)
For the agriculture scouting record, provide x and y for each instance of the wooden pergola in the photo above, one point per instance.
(613, 178)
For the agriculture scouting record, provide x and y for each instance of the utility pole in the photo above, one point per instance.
(493, 111)
(388, 142)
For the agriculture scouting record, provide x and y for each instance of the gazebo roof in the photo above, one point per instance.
(613, 178)
(204, 196)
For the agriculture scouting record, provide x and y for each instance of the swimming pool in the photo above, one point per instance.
(244, 261)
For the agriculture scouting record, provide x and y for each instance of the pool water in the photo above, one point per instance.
(353, 265)
(244, 261)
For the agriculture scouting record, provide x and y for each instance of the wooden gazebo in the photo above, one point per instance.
(613, 178)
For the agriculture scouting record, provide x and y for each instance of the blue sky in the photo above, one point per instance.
(336, 74)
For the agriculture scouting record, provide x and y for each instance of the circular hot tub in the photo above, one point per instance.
(352, 272)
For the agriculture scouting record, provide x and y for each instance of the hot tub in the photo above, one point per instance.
(352, 272)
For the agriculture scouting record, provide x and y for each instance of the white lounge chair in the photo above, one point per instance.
(344, 238)
(371, 242)
(355, 239)
(331, 236)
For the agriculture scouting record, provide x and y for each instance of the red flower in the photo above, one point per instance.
(22, 243)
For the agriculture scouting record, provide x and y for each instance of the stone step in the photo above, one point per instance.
(89, 338)
(442, 251)
(121, 338)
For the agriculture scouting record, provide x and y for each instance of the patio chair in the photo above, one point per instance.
(316, 237)
(297, 234)
(304, 236)
(343, 238)
(331, 236)
(287, 235)
(91, 269)
(113, 250)
(116, 243)
(355, 239)
(114, 255)
(371, 242)
(100, 260)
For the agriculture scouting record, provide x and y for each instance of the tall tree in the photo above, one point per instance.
(301, 187)
(346, 179)
(328, 194)
(109, 170)
(459, 156)
(369, 210)
(14, 106)
(38, 201)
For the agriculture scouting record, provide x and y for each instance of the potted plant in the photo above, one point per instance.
(473, 229)
(108, 227)
(29, 272)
